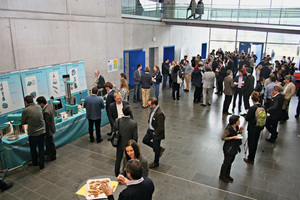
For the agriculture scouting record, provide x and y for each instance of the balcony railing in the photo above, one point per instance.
(274, 16)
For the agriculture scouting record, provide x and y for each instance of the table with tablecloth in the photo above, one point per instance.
(17, 152)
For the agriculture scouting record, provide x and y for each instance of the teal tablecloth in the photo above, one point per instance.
(17, 152)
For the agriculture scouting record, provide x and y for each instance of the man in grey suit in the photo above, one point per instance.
(208, 85)
(93, 105)
(137, 83)
(48, 113)
(128, 130)
(228, 91)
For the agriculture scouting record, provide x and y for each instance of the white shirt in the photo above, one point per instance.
(119, 110)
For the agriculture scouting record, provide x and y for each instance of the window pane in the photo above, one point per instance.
(282, 50)
(222, 34)
(251, 36)
(226, 46)
(283, 38)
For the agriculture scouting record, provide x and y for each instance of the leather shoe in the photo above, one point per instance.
(203, 104)
(8, 185)
(270, 140)
(229, 178)
(224, 179)
(248, 161)
(227, 113)
(109, 133)
(153, 165)
(100, 140)
(161, 151)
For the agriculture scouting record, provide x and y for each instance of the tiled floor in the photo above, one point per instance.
(190, 166)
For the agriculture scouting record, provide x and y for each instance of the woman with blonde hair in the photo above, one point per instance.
(257, 73)
(124, 90)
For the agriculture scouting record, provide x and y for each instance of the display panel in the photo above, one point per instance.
(11, 95)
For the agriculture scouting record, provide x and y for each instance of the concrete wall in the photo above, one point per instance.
(40, 33)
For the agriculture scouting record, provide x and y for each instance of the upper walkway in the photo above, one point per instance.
(285, 20)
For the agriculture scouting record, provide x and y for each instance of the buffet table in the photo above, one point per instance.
(17, 152)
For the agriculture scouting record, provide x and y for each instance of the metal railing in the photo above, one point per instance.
(274, 16)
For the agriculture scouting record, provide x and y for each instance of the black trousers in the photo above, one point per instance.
(298, 107)
(271, 125)
(227, 102)
(198, 93)
(226, 166)
(91, 129)
(246, 101)
(175, 89)
(50, 147)
(220, 87)
(253, 137)
(37, 141)
(119, 156)
(170, 80)
(153, 143)
(239, 93)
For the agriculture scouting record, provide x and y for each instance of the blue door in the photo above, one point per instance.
(169, 53)
(204, 50)
(135, 57)
(245, 46)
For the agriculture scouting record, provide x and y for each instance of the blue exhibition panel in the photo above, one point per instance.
(11, 95)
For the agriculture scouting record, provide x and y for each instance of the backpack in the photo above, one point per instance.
(260, 117)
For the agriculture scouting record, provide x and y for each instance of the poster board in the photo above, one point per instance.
(11, 95)
(112, 65)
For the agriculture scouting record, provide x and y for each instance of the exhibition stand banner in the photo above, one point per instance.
(11, 96)
(55, 81)
(34, 83)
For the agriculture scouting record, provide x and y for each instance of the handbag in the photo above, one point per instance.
(115, 136)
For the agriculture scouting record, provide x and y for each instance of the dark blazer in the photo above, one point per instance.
(100, 84)
(48, 113)
(196, 78)
(158, 123)
(236, 80)
(137, 77)
(248, 85)
(275, 108)
(141, 191)
(222, 74)
(93, 105)
(146, 81)
(230, 65)
(113, 113)
(127, 129)
(264, 72)
(109, 99)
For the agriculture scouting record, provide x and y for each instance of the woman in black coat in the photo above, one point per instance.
(231, 146)
(176, 84)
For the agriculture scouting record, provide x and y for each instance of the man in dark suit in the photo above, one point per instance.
(100, 82)
(48, 113)
(156, 130)
(238, 81)
(137, 79)
(128, 130)
(115, 109)
(93, 105)
(138, 188)
(248, 88)
(109, 99)
(221, 75)
(275, 111)
(230, 65)
(228, 91)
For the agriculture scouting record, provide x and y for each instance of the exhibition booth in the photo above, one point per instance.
(65, 88)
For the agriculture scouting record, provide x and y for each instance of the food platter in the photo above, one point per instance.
(93, 190)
